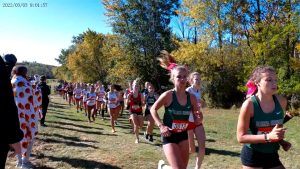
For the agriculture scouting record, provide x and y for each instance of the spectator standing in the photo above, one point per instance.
(45, 98)
(9, 125)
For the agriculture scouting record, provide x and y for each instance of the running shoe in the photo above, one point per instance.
(27, 165)
(146, 136)
(19, 164)
(160, 165)
(151, 138)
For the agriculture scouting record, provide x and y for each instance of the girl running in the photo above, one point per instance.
(121, 100)
(91, 103)
(262, 115)
(113, 106)
(149, 99)
(84, 97)
(127, 91)
(70, 89)
(178, 104)
(136, 110)
(100, 98)
(77, 95)
(194, 89)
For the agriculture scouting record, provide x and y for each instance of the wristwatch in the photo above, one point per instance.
(267, 139)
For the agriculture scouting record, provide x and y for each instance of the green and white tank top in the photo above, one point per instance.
(263, 122)
(176, 116)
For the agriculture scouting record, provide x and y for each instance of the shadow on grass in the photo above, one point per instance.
(44, 167)
(210, 140)
(209, 151)
(82, 163)
(62, 114)
(57, 105)
(66, 118)
(211, 131)
(82, 131)
(75, 139)
(68, 143)
(72, 124)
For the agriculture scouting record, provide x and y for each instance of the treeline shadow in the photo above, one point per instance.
(82, 163)
(66, 118)
(75, 139)
(68, 143)
(57, 105)
(44, 167)
(72, 124)
(62, 114)
(82, 131)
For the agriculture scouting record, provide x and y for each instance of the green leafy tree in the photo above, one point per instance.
(272, 31)
(145, 28)
(62, 72)
(87, 63)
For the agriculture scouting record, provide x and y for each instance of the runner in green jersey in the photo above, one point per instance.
(260, 122)
(178, 104)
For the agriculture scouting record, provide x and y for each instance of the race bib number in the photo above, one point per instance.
(77, 96)
(135, 107)
(112, 101)
(91, 102)
(179, 125)
(265, 130)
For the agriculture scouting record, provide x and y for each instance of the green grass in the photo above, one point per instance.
(70, 141)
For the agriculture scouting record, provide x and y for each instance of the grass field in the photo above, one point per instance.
(70, 141)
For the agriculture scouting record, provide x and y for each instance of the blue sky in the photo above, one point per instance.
(39, 33)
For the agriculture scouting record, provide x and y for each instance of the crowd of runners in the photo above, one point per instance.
(94, 100)
(263, 113)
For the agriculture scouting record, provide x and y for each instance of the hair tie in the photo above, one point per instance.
(171, 66)
(251, 88)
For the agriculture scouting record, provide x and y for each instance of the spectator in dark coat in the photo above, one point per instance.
(9, 125)
(45, 98)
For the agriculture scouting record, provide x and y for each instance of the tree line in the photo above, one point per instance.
(224, 40)
(35, 68)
